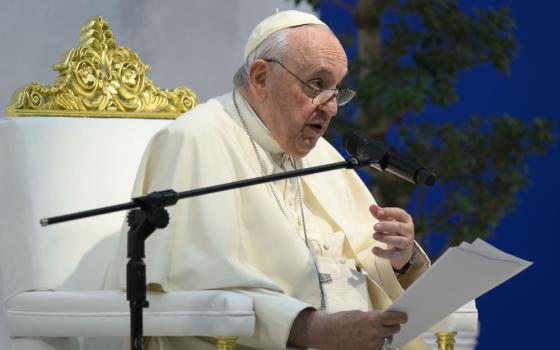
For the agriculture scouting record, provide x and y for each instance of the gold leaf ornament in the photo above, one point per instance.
(100, 79)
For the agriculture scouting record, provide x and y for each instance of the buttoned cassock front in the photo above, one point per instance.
(240, 239)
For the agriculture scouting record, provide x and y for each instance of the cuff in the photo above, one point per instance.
(275, 313)
(421, 264)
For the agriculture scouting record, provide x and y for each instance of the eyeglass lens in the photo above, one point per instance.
(342, 96)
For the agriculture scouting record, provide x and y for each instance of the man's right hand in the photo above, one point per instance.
(345, 329)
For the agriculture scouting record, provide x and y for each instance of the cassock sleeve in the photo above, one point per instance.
(275, 314)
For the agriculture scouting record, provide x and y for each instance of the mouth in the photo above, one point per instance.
(317, 128)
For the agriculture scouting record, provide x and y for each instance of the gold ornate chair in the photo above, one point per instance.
(54, 163)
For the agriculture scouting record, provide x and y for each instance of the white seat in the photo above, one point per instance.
(464, 321)
(106, 313)
(52, 276)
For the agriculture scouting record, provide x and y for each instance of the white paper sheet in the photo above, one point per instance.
(460, 275)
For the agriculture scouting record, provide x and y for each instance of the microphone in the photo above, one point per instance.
(383, 158)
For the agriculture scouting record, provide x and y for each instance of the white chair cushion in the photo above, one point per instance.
(464, 319)
(106, 313)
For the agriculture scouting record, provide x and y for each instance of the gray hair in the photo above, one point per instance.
(274, 46)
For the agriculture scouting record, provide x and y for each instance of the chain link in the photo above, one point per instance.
(277, 198)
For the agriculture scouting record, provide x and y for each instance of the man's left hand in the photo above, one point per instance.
(396, 229)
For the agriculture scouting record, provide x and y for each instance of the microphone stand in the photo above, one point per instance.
(151, 215)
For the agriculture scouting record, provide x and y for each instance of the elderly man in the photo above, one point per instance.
(317, 255)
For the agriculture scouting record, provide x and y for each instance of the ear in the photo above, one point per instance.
(258, 75)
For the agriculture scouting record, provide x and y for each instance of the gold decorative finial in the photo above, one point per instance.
(100, 79)
(445, 340)
(226, 343)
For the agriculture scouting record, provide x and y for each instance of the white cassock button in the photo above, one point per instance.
(342, 261)
(326, 246)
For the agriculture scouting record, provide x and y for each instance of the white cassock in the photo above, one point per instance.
(251, 240)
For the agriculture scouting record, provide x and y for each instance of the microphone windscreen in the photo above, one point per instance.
(352, 142)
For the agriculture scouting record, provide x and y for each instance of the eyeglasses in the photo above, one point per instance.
(321, 96)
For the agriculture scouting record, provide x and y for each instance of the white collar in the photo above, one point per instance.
(257, 129)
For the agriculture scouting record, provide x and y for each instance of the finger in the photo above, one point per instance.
(392, 240)
(393, 227)
(389, 318)
(388, 331)
(393, 213)
(376, 211)
(392, 254)
(377, 343)
(386, 253)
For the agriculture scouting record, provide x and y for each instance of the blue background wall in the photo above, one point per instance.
(522, 312)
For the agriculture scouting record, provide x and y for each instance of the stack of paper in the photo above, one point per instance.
(460, 275)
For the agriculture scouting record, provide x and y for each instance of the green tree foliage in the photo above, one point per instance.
(480, 161)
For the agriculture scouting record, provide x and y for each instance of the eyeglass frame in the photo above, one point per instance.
(315, 90)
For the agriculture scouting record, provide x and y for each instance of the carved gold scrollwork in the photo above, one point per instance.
(100, 79)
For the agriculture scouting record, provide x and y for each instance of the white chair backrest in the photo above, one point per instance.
(52, 166)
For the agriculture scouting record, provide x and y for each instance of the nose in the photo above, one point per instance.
(330, 107)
